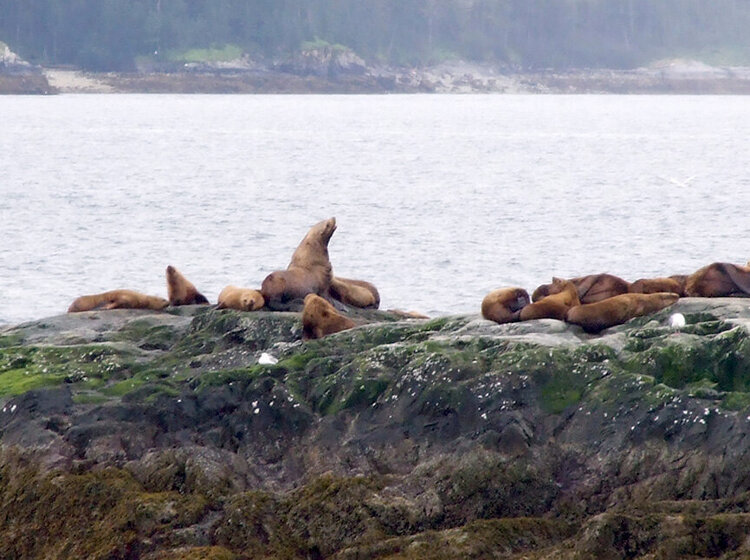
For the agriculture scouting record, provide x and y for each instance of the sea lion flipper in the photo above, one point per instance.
(585, 284)
(740, 277)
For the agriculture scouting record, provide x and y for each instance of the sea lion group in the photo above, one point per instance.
(594, 302)
(599, 301)
(309, 274)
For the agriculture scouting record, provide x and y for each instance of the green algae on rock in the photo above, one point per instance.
(162, 435)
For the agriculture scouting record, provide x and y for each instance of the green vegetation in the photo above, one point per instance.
(112, 34)
(223, 54)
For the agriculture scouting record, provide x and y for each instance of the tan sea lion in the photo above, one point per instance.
(656, 285)
(319, 318)
(357, 293)
(504, 305)
(594, 317)
(117, 299)
(555, 306)
(242, 299)
(180, 290)
(407, 314)
(719, 280)
(308, 272)
(591, 288)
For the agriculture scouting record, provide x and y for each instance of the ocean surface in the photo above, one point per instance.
(438, 198)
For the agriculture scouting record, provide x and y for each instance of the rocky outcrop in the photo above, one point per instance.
(136, 434)
(327, 61)
(20, 77)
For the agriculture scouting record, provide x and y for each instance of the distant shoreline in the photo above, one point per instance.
(675, 77)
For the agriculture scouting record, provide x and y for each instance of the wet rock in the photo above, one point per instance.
(399, 438)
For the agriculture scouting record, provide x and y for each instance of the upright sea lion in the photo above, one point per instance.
(594, 317)
(319, 318)
(117, 299)
(180, 290)
(555, 306)
(357, 293)
(591, 288)
(656, 285)
(505, 305)
(719, 279)
(242, 299)
(309, 271)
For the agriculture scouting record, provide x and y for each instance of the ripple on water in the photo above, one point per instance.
(438, 199)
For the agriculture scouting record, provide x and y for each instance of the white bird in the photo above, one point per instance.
(267, 359)
(677, 320)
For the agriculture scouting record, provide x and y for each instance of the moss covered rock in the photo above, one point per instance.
(163, 435)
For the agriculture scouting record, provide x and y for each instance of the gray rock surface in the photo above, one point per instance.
(450, 437)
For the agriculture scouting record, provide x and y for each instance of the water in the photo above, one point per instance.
(439, 199)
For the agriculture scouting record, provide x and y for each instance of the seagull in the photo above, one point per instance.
(267, 359)
(677, 320)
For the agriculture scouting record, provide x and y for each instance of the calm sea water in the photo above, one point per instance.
(439, 199)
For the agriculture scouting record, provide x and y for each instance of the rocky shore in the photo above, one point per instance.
(331, 70)
(166, 435)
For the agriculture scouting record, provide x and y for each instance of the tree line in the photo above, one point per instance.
(521, 34)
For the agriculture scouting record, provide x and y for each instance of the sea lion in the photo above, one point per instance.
(407, 314)
(309, 271)
(656, 285)
(180, 290)
(594, 317)
(591, 288)
(719, 279)
(319, 318)
(242, 299)
(117, 299)
(504, 305)
(555, 306)
(357, 293)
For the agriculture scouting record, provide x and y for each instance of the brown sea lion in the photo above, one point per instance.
(117, 299)
(180, 290)
(594, 317)
(357, 293)
(242, 299)
(719, 280)
(309, 271)
(555, 306)
(591, 288)
(505, 305)
(407, 314)
(656, 285)
(319, 318)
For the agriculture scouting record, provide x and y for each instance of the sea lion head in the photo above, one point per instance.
(555, 287)
(252, 300)
(328, 227)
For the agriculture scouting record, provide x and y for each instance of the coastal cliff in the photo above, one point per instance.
(161, 435)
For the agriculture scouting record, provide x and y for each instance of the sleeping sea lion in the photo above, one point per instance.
(242, 299)
(656, 285)
(357, 293)
(319, 318)
(555, 306)
(591, 288)
(309, 271)
(407, 314)
(718, 280)
(504, 305)
(117, 299)
(594, 317)
(180, 290)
